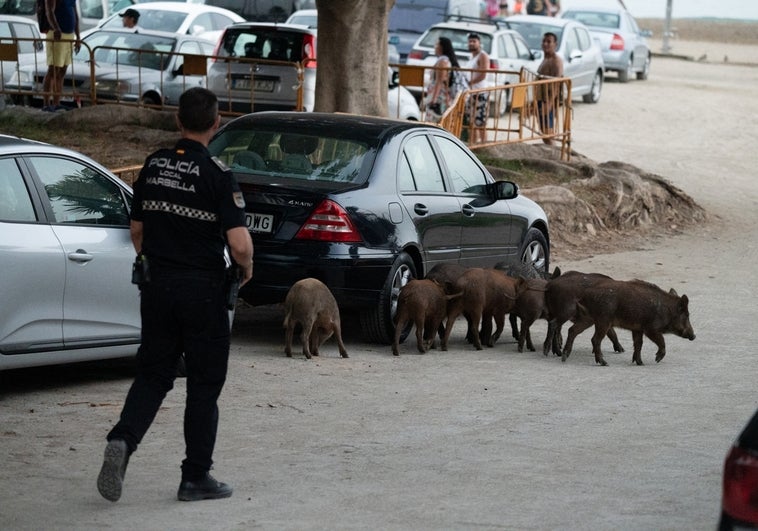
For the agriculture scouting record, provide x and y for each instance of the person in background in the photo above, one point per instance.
(504, 11)
(548, 95)
(183, 220)
(441, 88)
(539, 7)
(518, 7)
(479, 64)
(130, 19)
(61, 20)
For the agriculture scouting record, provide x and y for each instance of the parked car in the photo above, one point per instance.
(304, 17)
(147, 66)
(507, 50)
(739, 502)
(410, 18)
(258, 10)
(66, 254)
(364, 204)
(625, 48)
(582, 56)
(176, 17)
(14, 27)
(275, 86)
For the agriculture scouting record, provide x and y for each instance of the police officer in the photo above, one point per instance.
(187, 208)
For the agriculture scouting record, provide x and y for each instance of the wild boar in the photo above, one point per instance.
(423, 303)
(446, 274)
(561, 297)
(635, 305)
(529, 307)
(487, 294)
(529, 272)
(310, 304)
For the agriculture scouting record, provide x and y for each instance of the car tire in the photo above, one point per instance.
(535, 252)
(642, 76)
(624, 75)
(597, 86)
(150, 99)
(378, 323)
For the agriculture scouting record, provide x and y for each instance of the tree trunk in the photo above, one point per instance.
(352, 56)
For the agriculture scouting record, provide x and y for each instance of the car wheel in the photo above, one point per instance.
(535, 252)
(625, 74)
(597, 87)
(645, 69)
(378, 323)
(150, 99)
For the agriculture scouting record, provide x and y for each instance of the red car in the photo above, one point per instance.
(739, 504)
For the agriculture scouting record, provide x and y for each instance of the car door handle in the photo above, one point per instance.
(420, 209)
(468, 210)
(80, 255)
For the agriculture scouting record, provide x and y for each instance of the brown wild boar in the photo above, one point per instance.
(487, 294)
(529, 272)
(310, 304)
(423, 303)
(561, 297)
(635, 305)
(446, 274)
(529, 307)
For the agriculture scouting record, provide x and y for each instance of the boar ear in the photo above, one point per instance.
(673, 292)
(684, 302)
(556, 272)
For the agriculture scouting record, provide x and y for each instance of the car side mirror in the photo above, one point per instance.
(179, 70)
(394, 80)
(505, 190)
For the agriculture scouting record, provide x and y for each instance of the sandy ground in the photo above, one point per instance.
(460, 439)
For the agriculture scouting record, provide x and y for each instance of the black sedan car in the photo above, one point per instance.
(739, 502)
(365, 204)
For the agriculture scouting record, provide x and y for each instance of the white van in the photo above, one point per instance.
(410, 18)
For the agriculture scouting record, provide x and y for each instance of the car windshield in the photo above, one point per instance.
(459, 38)
(131, 49)
(533, 33)
(153, 19)
(263, 43)
(595, 19)
(256, 156)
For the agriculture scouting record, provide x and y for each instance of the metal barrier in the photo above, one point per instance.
(536, 110)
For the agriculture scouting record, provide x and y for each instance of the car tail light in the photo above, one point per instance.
(309, 51)
(617, 42)
(740, 487)
(329, 222)
(217, 49)
(417, 54)
(494, 65)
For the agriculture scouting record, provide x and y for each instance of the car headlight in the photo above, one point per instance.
(112, 86)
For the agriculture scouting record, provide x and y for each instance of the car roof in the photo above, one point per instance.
(181, 7)
(595, 9)
(358, 126)
(142, 33)
(16, 18)
(478, 27)
(541, 20)
(273, 25)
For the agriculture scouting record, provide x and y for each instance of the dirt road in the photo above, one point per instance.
(459, 439)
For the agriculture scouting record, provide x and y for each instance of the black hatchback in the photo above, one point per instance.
(365, 204)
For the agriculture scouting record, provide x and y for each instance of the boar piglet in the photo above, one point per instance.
(446, 274)
(423, 303)
(529, 307)
(310, 304)
(561, 297)
(529, 272)
(487, 294)
(635, 305)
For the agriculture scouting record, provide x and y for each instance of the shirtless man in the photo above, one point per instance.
(551, 66)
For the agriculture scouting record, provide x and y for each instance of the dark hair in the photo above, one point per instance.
(448, 50)
(551, 34)
(198, 109)
(474, 36)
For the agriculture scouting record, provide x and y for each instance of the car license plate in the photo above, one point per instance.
(260, 223)
(260, 85)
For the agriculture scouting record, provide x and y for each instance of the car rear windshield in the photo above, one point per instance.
(154, 19)
(459, 38)
(262, 156)
(594, 19)
(263, 43)
(533, 33)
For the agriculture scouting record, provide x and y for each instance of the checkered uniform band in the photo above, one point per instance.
(179, 210)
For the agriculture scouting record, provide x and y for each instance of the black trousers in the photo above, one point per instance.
(181, 313)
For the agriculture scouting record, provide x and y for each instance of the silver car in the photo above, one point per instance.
(66, 254)
(582, 56)
(29, 52)
(147, 66)
(624, 45)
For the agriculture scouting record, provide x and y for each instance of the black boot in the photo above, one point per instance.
(206, 488)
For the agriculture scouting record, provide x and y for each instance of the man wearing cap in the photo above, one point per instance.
(129, 19)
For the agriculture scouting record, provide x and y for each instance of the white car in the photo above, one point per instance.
(202, 21)
(508, 51)
(29, 52)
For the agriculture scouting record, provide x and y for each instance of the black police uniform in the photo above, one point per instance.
(187, 201)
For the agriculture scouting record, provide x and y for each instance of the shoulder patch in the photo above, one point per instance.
(239, 199)
(218, 162)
